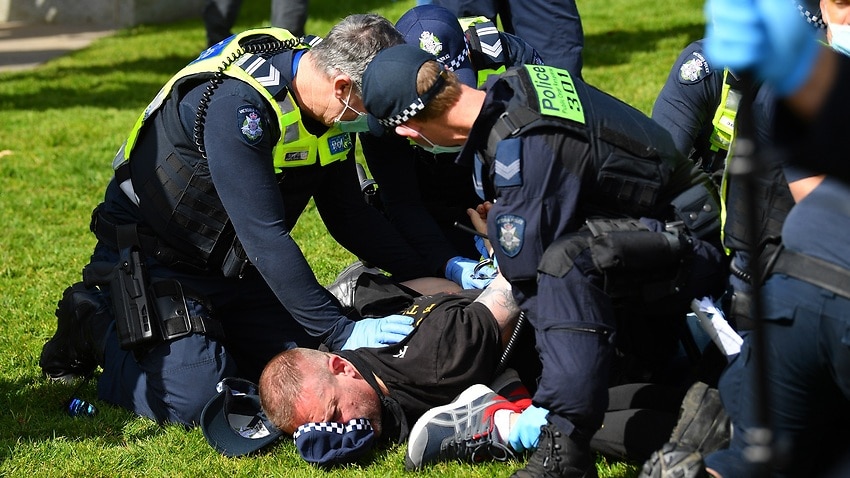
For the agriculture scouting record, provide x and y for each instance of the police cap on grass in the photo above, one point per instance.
(233, 422)
(389, 86)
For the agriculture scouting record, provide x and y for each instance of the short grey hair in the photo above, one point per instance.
(352, 43)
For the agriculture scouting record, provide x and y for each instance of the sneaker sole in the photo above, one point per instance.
(418, 438)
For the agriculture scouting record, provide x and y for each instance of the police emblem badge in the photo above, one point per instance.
(694, 69)
(511, 229)
(430, 43)
(250, 124)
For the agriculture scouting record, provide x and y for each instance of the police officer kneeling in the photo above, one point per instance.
(206, 191)
(593, 207)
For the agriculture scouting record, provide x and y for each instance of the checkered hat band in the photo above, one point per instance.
(405, 115)
(456, 62)
(811, 17)
(333, 427)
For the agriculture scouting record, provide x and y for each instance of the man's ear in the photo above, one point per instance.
(406, 130)
(340, 366)
(342, 83)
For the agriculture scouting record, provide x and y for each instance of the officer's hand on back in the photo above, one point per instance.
(765, 37)
(379, 332)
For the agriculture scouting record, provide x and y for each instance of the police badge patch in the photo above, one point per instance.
(510, 231)
(430, 43)
(694, 69)
(250, 124)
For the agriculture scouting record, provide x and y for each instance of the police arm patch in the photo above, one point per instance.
(250, 124)
(511, 231)
(694, 69)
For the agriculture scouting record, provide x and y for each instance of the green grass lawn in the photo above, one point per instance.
(60, 126)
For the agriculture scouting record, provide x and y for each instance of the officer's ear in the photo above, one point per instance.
(342, 85)
(407, 131)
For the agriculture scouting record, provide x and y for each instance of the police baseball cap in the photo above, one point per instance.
(389, 86)
(436, 30)
(233, 421)
(810, 10)
(329, 443)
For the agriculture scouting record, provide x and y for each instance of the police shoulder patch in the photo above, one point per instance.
(250, 124)
(511, 231)
(694, 69)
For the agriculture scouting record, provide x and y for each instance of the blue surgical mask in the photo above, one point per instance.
(358, 125)
(840, 38)
(435, 148)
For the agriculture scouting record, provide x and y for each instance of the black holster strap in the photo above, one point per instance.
(118, 237)
(197, 324)
(815, 271)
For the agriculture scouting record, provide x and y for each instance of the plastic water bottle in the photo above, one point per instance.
(81, 408)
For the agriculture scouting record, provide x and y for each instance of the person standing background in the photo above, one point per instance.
(553, 28)
(220, 16)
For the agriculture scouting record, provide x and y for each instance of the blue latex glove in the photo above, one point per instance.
(526, 431)
(462, 271)
(379, 332)
(482, 248)
(766, 37)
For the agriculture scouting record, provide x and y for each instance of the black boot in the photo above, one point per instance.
(77, 346)
(558, 456)
(703, 424)
(703, 427)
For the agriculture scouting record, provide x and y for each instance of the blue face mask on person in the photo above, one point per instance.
(435, 148)
(358, 125)
(839, 35)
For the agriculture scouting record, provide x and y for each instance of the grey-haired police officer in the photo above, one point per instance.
(194, 247)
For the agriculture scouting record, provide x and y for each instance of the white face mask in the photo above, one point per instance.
(839, 36)
(358, 125)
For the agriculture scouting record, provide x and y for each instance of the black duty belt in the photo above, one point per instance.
(116, 236)
(815, 271)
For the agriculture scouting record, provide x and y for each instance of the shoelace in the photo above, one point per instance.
(479, 448)
(552, 447)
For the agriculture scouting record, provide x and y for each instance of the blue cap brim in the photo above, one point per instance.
(467, 76)
(375, 127)
(236, 425)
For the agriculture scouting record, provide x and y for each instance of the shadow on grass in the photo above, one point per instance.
(93, 84)
(137, 80)
(35, 411)
(617, 47)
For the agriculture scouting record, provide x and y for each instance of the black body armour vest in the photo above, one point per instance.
(176, 194)
(638, 171)
(772, 205)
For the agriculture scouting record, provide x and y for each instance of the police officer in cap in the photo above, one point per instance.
(553, 27)
(194, 260)
(423, 191)
(698, 105)
(593, 207)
